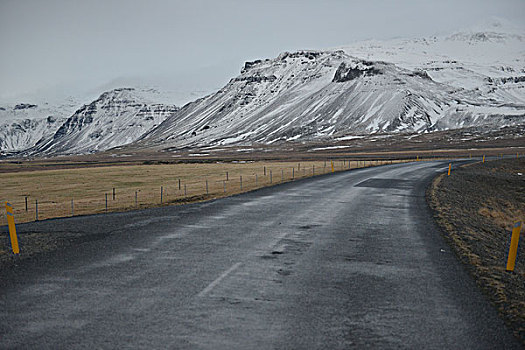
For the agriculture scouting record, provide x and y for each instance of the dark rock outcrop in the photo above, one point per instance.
(24, 106)
(345, 73)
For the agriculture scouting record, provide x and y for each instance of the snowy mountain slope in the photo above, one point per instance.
(117, 117)
(16, 135)
(24, 124)
(322, 94)
(491, 60)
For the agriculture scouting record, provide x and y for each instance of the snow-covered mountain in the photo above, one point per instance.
(18, 135)
(398, 86)
(116, 118)
(491, 61)
(467, 79)
(23, 125)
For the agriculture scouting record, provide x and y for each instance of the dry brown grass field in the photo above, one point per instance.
(83, 190)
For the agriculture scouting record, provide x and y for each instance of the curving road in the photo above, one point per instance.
(347, 260)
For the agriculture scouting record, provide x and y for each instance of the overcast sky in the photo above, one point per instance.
(54, 48)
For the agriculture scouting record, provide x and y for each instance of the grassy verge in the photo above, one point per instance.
(476, 207)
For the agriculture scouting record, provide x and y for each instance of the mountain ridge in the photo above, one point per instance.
(462, 80)
(117, 117)
(375, 96)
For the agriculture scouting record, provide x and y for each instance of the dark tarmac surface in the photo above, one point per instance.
(348, 260)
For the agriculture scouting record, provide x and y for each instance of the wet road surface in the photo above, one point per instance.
(347, 260)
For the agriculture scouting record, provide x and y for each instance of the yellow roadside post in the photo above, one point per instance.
(513, 250)
(12, 228)
(449, 168)
(332, 163)
(483, 158)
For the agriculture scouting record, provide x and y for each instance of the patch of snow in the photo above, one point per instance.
(327, 148)
(352, 137)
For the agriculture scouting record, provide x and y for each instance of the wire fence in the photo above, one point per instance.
(191, 187)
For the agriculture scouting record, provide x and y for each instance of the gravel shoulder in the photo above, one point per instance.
(476, 207)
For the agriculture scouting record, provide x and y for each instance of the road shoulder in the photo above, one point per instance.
(476, 207)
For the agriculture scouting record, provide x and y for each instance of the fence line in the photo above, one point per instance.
(176, 191)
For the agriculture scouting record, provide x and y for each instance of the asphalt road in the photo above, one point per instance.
(348, 260)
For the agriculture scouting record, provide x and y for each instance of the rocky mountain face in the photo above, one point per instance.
(116, 118)
(309, 95)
